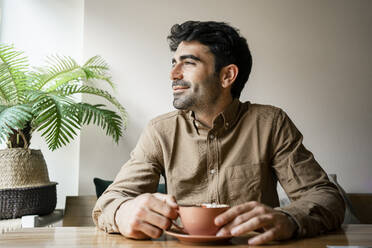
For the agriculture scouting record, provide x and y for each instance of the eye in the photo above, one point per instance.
(189, 63)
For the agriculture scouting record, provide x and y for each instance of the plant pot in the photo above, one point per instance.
(25, 187)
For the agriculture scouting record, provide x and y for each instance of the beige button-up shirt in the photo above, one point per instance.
(241, 158)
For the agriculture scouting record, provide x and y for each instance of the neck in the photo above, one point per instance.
(210, 112)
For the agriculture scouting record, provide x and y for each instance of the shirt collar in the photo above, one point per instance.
(197, 124)
(229, 115)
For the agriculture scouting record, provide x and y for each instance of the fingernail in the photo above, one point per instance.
(217, 221)
(220, 233)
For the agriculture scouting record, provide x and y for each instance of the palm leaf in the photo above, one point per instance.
(97, 68)
(42, 98)
(108, 120)
(4, 99)
(60, 70)
(53, 118)
(75, 89)
(13, 117)
(13, 79)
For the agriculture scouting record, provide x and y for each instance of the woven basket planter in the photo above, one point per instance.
(24, 186)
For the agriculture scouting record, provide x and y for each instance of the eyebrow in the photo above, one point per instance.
(187, 56)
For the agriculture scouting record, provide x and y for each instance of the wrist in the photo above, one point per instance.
(119, 212)
(294, 225)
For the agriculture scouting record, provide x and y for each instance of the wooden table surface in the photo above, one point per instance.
(92, 237)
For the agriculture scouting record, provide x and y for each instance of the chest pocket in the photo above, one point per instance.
(242, 182)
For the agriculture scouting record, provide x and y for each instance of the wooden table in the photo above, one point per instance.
(92, 237)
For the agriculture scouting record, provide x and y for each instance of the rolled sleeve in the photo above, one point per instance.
(139, 175)
(104, 212)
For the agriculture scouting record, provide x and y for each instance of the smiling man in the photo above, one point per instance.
(216, 149)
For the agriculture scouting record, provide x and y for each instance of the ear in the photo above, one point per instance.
(228, 75)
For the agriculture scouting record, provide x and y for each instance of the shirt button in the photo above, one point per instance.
(211, 136)
(212, 171)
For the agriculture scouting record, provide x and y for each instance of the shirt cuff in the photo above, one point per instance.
(105, 219)
(293, 218)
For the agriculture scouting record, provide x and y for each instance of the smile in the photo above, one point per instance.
(179, 88)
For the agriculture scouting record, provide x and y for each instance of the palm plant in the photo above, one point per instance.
(44, 99)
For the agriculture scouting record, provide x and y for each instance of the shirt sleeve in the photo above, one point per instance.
(139, 175)
(316, 204)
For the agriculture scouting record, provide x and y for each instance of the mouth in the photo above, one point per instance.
(177, 89)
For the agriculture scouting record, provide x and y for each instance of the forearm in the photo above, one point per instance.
(125, 187)
(321, 210)
(104, 211)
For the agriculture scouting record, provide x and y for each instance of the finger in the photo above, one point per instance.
(150, 230)
(231, 213)
(226, 229)
(266, 237)
(253, 224)
(169, 199)
(156, 219)
(159, 204)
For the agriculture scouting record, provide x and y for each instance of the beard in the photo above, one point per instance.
(197, 98)
(183, 100)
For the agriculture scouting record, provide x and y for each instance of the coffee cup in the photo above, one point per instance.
(199, 219)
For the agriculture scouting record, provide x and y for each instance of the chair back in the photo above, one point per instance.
(78, 210)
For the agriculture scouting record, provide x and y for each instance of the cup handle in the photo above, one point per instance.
(179, 228)
(174, 223)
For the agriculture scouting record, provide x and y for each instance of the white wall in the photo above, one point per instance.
(312, 58)
(41, 28)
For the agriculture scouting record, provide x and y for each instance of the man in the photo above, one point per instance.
(216, 149)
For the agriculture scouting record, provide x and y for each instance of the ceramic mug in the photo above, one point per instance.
(199, 219)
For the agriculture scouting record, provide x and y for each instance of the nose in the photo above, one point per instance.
(176, 73)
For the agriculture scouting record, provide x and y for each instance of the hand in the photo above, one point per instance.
(146, 216)
(251, 216)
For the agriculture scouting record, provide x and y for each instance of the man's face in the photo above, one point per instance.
(195, 84)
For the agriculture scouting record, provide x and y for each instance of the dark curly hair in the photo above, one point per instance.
(224, 41)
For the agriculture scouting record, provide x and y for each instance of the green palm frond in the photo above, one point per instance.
(13, 79)
(60, 70)
(13, 117)
(4, 99)
(97, 68)
(76, 89)
(53, 118)
(108, 120)
(41, 99)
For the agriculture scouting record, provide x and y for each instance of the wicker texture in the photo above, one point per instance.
(24, 186)
(15, 203)
(22, 168)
